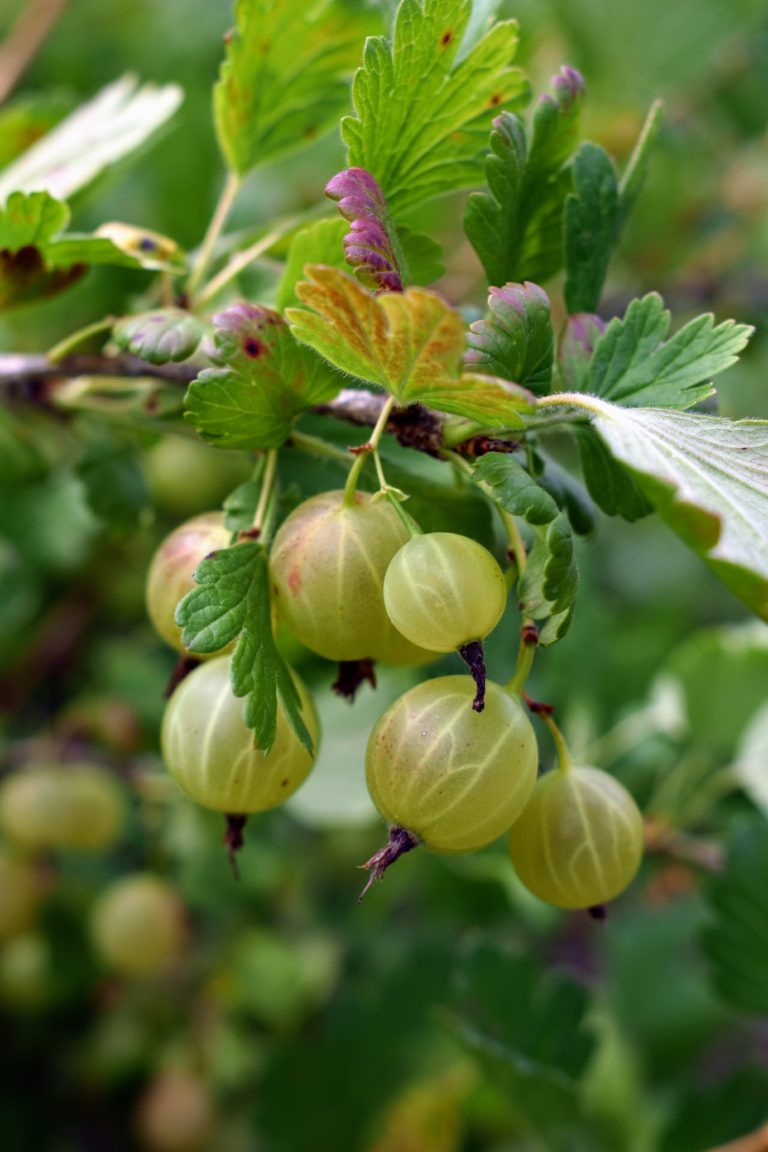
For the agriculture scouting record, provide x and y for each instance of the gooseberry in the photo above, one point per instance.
(327, 563)
(171, 571)
(53, 807)
(211, 754)
(579, 842)
(447, 777)
(138, 925)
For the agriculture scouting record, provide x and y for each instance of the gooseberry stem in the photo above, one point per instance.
(525, 656)
(221, 212)
(267, 485)
(400, 841)
(365, 450)
(564, 762)
(69, 343)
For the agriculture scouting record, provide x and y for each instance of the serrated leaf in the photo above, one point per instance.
(547, 588)
(634, 363)
(114, 482)
(515, 489)
(569, 494)
(423, 255)
(113, 124)
(736, 943)
(707, 477)
(592, 220)
(516, 227)
(410, 343)
(231, 603)
(371, 246)
(422, 111)
(284, 81)
(527, 1026)
(264, 382)
(167, 335)
(516, 341)
(319, 243)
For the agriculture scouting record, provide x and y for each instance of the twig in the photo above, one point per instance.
(20, 48)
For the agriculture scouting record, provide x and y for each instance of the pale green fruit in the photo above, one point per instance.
(454, 778)
(328, 562)
(171, 572)
(19, 896)
(443, 590)
(580, 840)
(210, 752)
(50, 807)
(138, 925)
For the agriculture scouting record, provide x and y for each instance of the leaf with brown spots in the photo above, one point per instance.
(410, 343)
(285, 78)
(424, 103)
(263, 381)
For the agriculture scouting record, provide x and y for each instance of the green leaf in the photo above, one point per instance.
(423, 255)
(284, 81)
(319, 243)
(515, 490)
(232, 603)
(116, 122)
(167, 335)
(515, 342)
(264, 382)
(751, 763)
(516, 227)
(576, 346)
(736, 943)
(707, 477)
(610, 485)
(732, 1106)
(547, 589)
(410, 343)
(114, 482)
(37, 260)
(528, 1027)
(592, 221)
(634, 363)
(422, 110)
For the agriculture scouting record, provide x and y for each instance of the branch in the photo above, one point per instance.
(33, 379)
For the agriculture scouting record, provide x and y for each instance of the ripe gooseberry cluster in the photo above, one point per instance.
(452, 764)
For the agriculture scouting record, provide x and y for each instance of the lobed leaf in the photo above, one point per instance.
(284, 81)
(515, 342)
(263, 383)
(371, 246)
(116, 122)
(410, 343)
(516, 227)
(547, 588)
(318, 243)
(577, 344)
(232, 603)
(167, 335)
(633, 362)
(707, 477)
(736, 942)
(422, 108)
(591, 222)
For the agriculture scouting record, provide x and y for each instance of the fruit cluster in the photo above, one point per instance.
(452, 764)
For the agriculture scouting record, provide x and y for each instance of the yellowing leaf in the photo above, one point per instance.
(410, 343)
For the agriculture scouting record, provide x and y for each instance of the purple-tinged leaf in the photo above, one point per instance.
(515, 342)
(264, 380)
(577, 343)
(371, 245)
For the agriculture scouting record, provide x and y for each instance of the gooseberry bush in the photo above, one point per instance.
(425, 398)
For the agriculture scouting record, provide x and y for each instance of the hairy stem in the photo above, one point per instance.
(365, 450)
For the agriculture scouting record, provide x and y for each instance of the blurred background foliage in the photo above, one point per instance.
(450, 1012)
